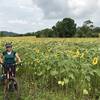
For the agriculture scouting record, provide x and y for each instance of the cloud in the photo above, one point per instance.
(31, 15)
(71, 8)
(18, 15)
(80, 10)
(53, 8)
(17, 22)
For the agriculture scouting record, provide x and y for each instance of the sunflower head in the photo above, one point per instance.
(95, 61)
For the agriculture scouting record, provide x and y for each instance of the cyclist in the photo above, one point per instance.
(9, 58)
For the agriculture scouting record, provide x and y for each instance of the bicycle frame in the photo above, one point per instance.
(10, 74)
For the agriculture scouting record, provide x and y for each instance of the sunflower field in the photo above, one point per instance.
(57, 69)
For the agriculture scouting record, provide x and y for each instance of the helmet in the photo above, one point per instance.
(8, 45)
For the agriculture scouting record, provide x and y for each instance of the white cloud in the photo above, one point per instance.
(17, 21)
(18, 15)
(80, 10)
(32, 15)
(27, 8)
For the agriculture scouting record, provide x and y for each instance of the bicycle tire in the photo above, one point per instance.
(15, 91)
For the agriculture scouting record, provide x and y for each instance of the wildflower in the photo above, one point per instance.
(61, 83)
(78, 53)
(95, 61)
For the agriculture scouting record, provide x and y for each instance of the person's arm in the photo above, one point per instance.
(1, 58)
(18, 60)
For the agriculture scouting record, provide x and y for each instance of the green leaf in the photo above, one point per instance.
(48, 67)
(53, 73)
(40, 74)
(71, 76)
(97, 71)
(66, 81)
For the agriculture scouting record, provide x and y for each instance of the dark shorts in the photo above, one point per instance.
(8, 67)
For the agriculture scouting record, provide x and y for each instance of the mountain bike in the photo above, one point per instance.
(10, 83)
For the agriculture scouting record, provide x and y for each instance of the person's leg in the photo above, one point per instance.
(5, 82)
(5, 88)
(6, 71)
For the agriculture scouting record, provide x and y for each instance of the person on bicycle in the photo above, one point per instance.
(8, 59)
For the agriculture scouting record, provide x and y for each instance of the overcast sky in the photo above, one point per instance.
(31, 15)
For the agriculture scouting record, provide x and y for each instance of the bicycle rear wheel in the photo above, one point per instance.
(13, 90)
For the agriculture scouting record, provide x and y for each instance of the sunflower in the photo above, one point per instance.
(36, 50)
(95, 61)
(77, 54)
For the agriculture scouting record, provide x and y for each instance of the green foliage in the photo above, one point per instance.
(45, 33)
(84, 31)
(67, 28)
(64, 28)
(58, 66)
(87, 30)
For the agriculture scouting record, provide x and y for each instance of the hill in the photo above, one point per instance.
(6, 33)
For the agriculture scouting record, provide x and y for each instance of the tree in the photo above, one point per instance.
(65, 28)
(86, 30)
(83, 31)
(1, 34)
(45, 33)
(96, 31)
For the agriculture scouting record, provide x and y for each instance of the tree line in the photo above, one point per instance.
(66, 28)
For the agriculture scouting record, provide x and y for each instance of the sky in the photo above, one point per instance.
(22, 16)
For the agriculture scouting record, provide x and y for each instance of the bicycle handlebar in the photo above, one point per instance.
(2, 64)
